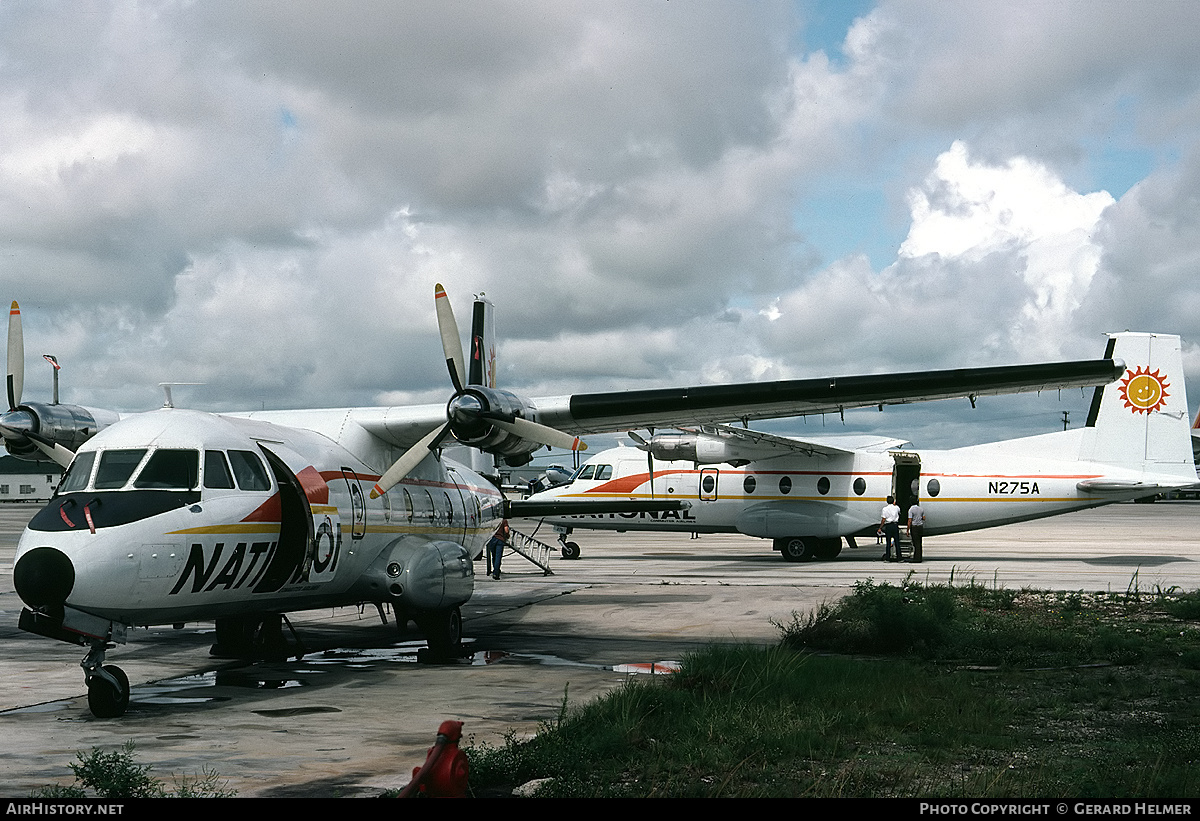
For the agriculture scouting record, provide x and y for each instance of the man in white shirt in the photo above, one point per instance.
(890, 522)
(916, 528)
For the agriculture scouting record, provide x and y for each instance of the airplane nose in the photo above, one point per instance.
(44, 577)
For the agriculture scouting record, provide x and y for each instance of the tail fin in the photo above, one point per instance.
(482, 368)
(1141, 421)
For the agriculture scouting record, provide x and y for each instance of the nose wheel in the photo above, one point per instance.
(108, 686)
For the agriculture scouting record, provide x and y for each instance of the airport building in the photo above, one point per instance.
(25, 481)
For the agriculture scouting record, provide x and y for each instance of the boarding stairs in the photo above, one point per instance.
(535, 551)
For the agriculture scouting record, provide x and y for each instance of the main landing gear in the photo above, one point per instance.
(108, 686)
(806, 548)
(443, 630)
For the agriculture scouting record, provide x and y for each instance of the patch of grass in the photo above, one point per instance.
(115, 774)
(899, 690)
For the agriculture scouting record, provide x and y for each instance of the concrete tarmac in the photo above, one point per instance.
(357, 713)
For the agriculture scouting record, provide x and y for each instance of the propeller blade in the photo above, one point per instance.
(16, 357)
(409, 460)
(638, 441)
(55, 451)
(540, 433)
(451, 341)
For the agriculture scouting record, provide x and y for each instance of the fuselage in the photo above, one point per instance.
(177, 515)
(826, 497)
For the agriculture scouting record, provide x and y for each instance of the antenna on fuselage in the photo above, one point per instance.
(166, 386)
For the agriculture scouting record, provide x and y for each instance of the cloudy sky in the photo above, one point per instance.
(260, 196)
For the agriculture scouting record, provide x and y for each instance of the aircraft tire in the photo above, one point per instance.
(828, 548)
(795, 548)
(104, 700)
(443, 631)
(570, 550)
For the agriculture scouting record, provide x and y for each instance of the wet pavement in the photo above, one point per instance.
(356, 714)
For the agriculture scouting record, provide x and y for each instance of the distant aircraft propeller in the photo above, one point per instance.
(19, 425)
(467, 409)
(642, 444)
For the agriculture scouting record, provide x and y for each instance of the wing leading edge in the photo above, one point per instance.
(587, 413)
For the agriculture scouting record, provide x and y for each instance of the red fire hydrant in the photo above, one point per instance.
(444, 774)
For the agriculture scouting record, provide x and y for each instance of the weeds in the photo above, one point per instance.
(115, 774)
(1080, 695)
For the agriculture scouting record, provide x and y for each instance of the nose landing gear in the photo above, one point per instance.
(108, 686)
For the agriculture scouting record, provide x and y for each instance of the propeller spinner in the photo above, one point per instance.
(489, 419)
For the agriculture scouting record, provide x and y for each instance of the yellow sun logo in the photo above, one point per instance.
(1144, 391)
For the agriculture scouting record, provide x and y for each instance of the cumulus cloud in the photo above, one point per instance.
(261, 196)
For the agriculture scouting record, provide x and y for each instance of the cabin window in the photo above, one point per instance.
(408, 506)
(77, 475)
(785, 485)
(116, 466)
(934, 487)
(248, 470)
(216, 471)
(749, 484)
(860, 486)
(168, 468)
(823, 485)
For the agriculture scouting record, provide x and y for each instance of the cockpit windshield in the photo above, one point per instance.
(77, 475)
(116, 466)
(170, 469)
(597, 472)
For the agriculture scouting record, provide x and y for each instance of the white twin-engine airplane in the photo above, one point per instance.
(808, 495)
(175, 515)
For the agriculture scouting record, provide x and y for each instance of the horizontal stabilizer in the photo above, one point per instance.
(535, 510)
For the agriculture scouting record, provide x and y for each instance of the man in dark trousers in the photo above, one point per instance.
(916, 527)
(495, 547)
(890, 522)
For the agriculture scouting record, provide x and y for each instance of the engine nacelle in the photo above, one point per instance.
(694, 447)
(470, 413)
(66, 425)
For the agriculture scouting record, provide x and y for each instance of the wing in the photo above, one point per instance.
(582, 414)
(688, 407)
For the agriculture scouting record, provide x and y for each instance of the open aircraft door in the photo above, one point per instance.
(906, 480)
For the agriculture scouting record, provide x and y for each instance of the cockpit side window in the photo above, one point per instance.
(249, 471)
(216, 471)
(168, 468)
(116, 466)
(604, 471)
(586, 472)
(77, 475)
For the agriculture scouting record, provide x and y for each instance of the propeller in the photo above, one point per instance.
(467, 409)
(642, 444)
(18, 424)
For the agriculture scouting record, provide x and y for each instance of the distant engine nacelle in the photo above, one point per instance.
(695, 447)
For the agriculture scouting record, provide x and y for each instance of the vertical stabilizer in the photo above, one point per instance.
(482, 368)
(1141, 421)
